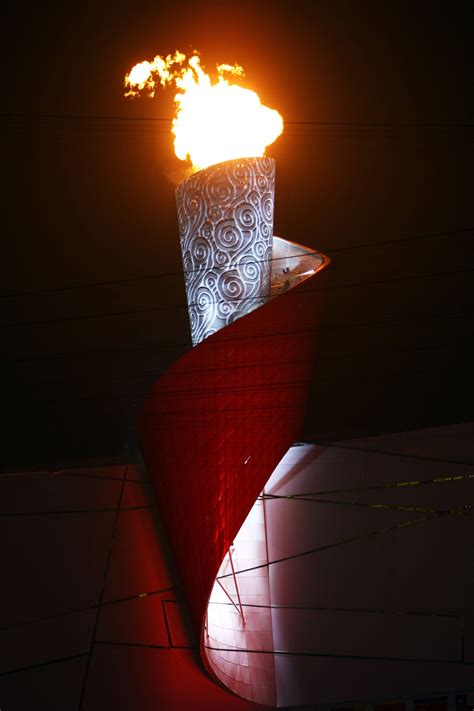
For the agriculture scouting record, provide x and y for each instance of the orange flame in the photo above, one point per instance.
(214, 122)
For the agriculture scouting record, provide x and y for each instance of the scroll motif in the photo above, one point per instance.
(225, 216)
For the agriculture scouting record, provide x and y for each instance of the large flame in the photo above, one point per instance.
(214, 121)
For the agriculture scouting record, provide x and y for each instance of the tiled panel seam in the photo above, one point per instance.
(48, 663)
(89, 607)
(104, 580)
(165, 617)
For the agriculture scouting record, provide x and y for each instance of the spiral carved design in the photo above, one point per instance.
(225, 216)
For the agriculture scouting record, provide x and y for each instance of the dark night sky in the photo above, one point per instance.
(91, 200)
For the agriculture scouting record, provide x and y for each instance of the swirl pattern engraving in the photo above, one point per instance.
(225, 216)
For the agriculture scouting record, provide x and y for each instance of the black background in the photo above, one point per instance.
(374, 168)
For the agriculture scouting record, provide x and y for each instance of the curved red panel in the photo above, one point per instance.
(217, 423)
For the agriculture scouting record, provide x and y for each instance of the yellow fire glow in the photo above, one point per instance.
(214, 121)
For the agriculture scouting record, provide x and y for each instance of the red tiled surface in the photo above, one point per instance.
(218, 422)
(138, 562)
(155, 680)
(138, 494)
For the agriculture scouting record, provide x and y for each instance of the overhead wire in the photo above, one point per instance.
(362, 610)
(160, 346)
(388, 453)
(332, 655)
(180, 273)
(212, 391)
(159, 120)
(183, 306)
(351, 539)
(447, 479)
(236, 367)
(461, 510)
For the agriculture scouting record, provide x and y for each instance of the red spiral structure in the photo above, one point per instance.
(218, 422)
